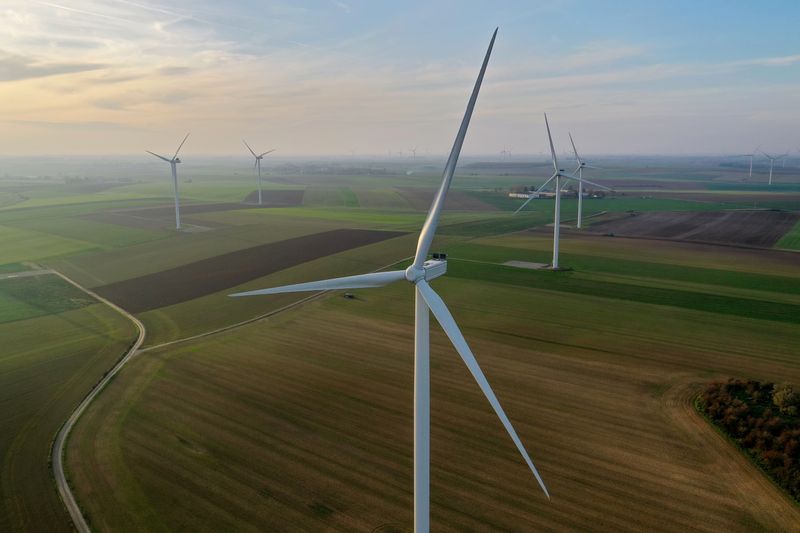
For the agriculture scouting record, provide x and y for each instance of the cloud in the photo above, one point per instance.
(342, 6)
(15, 67)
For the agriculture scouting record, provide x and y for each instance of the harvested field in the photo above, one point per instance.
(304, 421)
(420, 199)
(279, 198)
(208, 276)
(749, 228)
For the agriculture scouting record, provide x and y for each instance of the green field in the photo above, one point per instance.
(47, 364)
(304, 418)
(791, 240)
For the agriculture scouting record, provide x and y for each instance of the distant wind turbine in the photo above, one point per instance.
(772, 159)
(413, 153)
(257, 165)
(581, 165)
(419, 274)
(750, 155)
(173, 163)
(557, 175)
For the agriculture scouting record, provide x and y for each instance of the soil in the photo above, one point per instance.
(221, 272)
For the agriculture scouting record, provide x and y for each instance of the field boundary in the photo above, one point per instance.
(268, 314)
(57, 450)
(736, 468)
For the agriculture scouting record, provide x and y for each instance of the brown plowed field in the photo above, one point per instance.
(208, 276)
(749, 228)
(276, 198)
(420, 199)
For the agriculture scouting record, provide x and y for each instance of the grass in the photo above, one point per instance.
(574, 282)
(32, 296)
(630, 268)
(305, 418)
(47, 365)
(312, 410)
(790, 240)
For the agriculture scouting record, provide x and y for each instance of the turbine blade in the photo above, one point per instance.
(180, 146)
(523, 205)
(543, 185)
(432, 220)
(575, 150)
(265, 153)
(362, 281)
(158, 156)
(445, 319)
(248, 147)
(552, 148)
(592, 167)
(583, 180)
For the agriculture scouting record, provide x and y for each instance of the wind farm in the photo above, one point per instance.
(248, 346)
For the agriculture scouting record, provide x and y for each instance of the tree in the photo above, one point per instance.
(785, 399)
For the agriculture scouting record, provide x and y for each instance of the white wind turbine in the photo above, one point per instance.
(557, 175)
(750, 155)
(257, 165)
(419, 274)
(173, 164)
(581, 165)
(772, 159)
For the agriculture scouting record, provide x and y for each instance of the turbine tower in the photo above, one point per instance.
(750, 155)
(557, 175)
(257, 165)
(419, 274)
(581, 165)
(174, 164)
(772, 159)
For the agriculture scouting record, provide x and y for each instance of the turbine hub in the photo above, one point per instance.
(414, 274)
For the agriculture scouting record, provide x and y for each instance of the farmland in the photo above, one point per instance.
(51, 358)
(752, 228)
(305, 417)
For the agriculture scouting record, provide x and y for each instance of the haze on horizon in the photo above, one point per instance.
(357, 77)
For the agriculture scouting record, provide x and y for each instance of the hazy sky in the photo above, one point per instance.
(346, 76)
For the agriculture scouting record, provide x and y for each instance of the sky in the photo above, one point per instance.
(347, 77)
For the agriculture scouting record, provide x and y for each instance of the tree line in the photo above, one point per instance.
(763, 419)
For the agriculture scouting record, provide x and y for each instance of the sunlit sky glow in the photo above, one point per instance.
(343, 77)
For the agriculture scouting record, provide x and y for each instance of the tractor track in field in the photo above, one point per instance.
(754, 489)
(57, 450)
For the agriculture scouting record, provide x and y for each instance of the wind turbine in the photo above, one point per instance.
(772, 159)
(750, 155)
(173, 163)
(419, 274)
(257, 165)
(557, 175)
(581, 165)
(413, 153)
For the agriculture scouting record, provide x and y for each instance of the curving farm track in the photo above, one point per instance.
(57, 452)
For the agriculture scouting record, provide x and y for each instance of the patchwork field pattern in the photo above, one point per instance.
(306, 419)
(751, 228)
(208, 276)
(47, 365)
